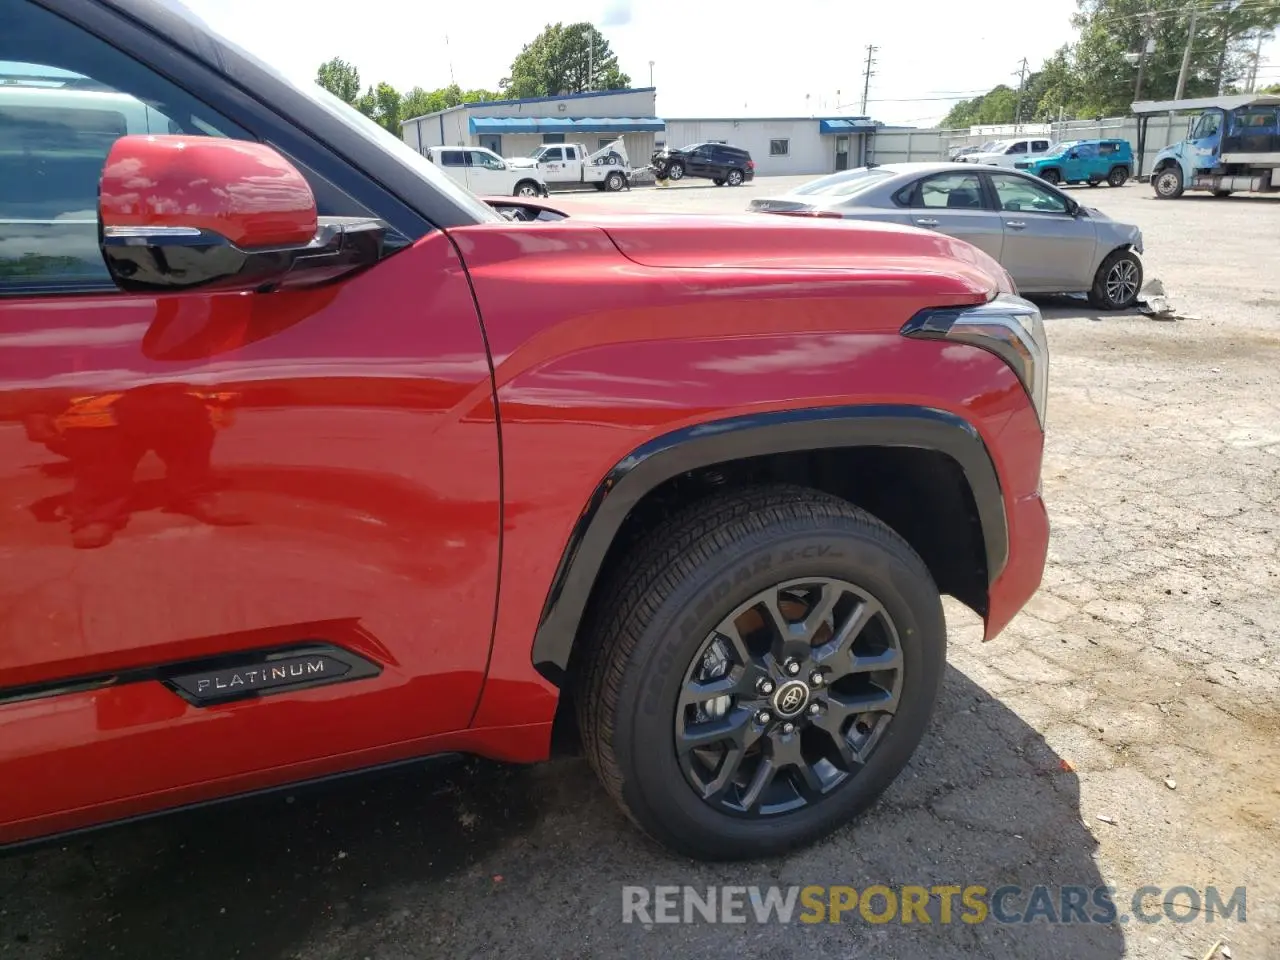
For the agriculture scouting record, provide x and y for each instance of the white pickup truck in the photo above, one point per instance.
(563, 164)
(486, 174)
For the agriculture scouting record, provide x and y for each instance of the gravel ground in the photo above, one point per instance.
(1122, 732)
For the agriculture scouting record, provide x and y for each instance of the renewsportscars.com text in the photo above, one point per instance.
(937, 903)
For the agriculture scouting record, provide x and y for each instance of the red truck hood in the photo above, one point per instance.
(753, 241)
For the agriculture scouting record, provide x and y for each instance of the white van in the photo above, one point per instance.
(1006, 153)
(485, 173)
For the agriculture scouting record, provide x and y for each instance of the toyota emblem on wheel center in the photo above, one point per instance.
(791, 698)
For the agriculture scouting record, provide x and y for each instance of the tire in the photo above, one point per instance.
(1118, 177)
(1051, 176)
(675, 170)
(527, 188)
(651, 621)
(734, 178)
(1117, 282)
(614, 182)
(613, 160)
(1222, 193)
(1168, 182)
(1093, 183)
(718, 181)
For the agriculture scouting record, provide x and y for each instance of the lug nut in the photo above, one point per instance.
(792, 667)
(763, 717)
(816, 679)
(814, 709)
(765, 686)
(788, 728)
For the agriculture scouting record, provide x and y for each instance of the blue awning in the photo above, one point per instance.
(846, 125)
(565, 125)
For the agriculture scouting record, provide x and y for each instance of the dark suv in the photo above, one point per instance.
(717, 162)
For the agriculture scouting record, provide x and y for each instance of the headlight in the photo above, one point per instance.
(1007, 326)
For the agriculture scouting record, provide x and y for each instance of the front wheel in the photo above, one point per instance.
(1117, 281)
(759, 671)
(1118, 177)
(675, 171)
(1168, 183)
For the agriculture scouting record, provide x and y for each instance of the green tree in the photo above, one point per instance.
(1097, 74)
(1274, 88)
(340, 78)
(562, 60)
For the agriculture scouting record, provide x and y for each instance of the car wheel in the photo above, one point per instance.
(527, 188)
(1117, 282)
(1092, 183)
(1222, 193)
(759, 671)
(734, 178)
(1168, 183)
(614, 182)
(675, 171)
(718, 181)
(1118, 177)
(1051, 176)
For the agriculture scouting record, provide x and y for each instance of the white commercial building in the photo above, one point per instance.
(782, 145)
(515, 128)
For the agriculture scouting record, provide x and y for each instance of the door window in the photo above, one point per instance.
(1019, 147)
(571, 153)
(452, 158)
(1039, 146)
(952, 191)
(1208, 125)
(1021, 195)
(65, 98)
(485, 159)
(555, 153)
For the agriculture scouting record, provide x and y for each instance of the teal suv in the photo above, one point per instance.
(1084, 161)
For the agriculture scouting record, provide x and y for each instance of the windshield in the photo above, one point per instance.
(998, 147)
(988, 146)
(378, 136)
(843, 184)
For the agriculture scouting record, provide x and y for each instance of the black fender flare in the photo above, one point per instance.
(736, 438)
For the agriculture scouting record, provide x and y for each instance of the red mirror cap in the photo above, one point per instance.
(243, 191)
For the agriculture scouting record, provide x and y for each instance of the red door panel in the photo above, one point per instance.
(187, 475)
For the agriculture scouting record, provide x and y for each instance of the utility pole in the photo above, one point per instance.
(867, 73)
(1186, 53)
(651, 73)
(1022, 83)
(1148, 47)
(1253, 71)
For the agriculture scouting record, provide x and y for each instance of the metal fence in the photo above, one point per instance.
(904, 146)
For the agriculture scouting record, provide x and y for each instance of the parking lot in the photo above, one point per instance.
(1124, 731)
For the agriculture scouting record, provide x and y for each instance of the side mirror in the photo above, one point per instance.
(180, 212)
(1073, 155)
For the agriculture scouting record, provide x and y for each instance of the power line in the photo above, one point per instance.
(866, 76)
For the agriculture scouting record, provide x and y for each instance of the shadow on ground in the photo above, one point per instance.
(475, 859)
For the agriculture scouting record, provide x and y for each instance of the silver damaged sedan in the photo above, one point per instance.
(1047, 241)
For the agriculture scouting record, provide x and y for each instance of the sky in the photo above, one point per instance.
(761, 59)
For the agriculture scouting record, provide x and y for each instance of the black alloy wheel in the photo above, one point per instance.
(788, 697)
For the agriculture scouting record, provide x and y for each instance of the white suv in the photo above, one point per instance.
(485, 173)
(1006, 153)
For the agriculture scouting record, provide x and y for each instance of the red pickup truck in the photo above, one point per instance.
(312, 463)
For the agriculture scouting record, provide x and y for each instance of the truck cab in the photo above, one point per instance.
(1007, 153)
(485, 173)
(1232, 145)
